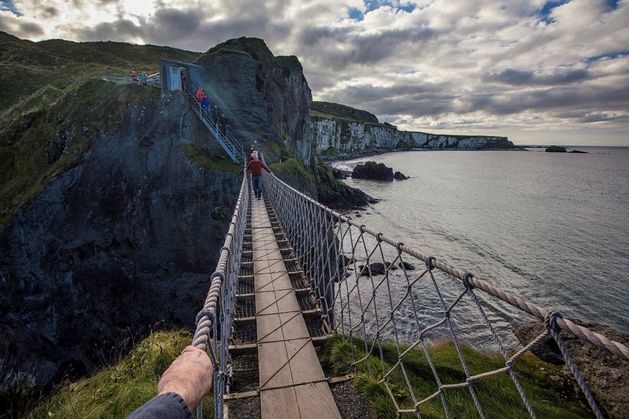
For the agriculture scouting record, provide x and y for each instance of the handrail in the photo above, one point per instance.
(225, 138)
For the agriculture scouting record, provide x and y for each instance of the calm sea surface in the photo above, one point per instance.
(552, 227)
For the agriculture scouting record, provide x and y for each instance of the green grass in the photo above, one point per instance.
(202, 158)
(55, 86)
(292, 167)
(497, 394)
(116, 391)
(26, 67)
(324, 115)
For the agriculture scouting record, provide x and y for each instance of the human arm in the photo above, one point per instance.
(265, 167)
(181, 387)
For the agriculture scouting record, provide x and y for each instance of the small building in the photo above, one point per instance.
(173, 73)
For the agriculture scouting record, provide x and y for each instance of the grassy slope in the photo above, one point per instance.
(26, 67)
(116, 391)
(497, 394)
(53, 87)
(26, 170)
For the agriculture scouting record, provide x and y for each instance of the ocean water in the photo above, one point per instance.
(551, 227)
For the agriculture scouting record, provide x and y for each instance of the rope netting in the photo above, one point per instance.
(387, 299)
(214, 321)
(389, 295)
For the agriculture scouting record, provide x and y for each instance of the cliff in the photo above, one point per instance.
(340, 133)
(117, 237)
(266, 98)
(114, 200)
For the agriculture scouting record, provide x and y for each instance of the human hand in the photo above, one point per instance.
(190, 376)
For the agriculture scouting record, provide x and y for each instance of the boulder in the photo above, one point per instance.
(406, 266)
(373, 171)
(377, 268)
(606, 374)
(399, 176)
(555, 149)
(578, 151)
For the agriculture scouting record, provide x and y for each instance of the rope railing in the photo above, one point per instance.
(214, 321)
(368, 288)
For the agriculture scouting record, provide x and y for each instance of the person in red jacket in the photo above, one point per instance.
(255, 166)
(200, 94)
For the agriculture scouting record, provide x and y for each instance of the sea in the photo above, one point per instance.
(550, 227)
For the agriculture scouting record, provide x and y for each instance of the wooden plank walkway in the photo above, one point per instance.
(292, 383)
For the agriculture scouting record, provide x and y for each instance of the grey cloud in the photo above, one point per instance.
(525, 77)
(30, 29)
(119, 30)
(562, 99)
(342, 47)
(50, 11)
(408, 99)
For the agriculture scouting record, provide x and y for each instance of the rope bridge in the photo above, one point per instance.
(367, 287)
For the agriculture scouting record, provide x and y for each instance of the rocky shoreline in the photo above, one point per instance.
(605, 373)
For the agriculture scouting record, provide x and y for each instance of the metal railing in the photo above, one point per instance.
(151, 80)
(223, 135)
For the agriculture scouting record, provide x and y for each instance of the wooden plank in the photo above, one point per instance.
(293, 326)
(245, 348)
(269, 328)
(316, 401)
(273, 365)
(304, 364)
(279, 403)
(241, 395)
(292, 381)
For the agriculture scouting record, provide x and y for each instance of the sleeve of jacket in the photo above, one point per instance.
(164, 406)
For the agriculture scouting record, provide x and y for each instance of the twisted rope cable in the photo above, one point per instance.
(550, 322)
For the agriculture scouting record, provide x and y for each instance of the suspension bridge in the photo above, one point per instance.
(292, 273)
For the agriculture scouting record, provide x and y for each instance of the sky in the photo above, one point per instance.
(539, 72)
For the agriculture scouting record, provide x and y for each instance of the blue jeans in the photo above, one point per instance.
(257, 185)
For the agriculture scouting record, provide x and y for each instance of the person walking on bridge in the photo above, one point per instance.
(255, 166)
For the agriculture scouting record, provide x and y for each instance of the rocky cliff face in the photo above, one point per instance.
(114, 202)
(121, 242)
(340, 136)
(266, 98)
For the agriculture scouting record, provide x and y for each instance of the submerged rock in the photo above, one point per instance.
(406, 266)
(373, 171)
(399, 176)
(555, 149)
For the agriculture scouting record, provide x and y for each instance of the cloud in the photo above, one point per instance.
(478, 64)
(525, 77)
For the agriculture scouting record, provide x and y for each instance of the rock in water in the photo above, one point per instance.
(406, 266)
(555, 149)
(373, 171)
(606, 374)
(399, 176)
